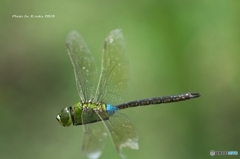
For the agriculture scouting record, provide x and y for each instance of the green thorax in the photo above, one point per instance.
(85, 113)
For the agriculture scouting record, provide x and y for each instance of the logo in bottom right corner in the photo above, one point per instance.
(229, 153)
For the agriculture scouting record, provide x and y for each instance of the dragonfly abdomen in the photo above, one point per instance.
(159, 100)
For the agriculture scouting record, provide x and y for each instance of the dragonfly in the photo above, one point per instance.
(101, 99)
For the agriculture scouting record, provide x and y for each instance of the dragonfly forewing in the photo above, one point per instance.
(114, 78)
(84, 66)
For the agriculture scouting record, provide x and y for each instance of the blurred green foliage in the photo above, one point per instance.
(173, 47)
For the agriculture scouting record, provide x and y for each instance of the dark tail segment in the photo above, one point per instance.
(159, 100)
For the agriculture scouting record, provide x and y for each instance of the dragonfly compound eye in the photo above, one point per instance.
(64, 118)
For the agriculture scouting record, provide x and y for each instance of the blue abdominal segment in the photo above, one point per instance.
(111, 109)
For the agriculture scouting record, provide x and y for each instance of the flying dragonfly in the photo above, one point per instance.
(98, 109)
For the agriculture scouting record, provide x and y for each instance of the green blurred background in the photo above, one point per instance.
(173, 47)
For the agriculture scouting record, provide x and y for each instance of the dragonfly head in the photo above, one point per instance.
(64, 117)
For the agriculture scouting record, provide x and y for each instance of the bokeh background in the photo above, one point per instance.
(173, 47)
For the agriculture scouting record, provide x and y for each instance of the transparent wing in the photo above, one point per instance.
(94, 137)
(114, 76)
(84, 65)
(122, 131)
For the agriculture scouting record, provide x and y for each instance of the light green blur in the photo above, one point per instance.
(172, 46)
